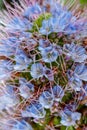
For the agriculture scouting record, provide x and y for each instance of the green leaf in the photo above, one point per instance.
(84, 120)
(1, 4)
(70, 128)
(38, 127)
(83, 1)
(47, 117)
(67, 97)
(63, 128)
(38, 21)
(56, 121)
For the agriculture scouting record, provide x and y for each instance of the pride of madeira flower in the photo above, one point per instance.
(43, 65)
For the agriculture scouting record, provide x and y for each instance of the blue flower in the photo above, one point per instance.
(27, 42)
(75, 83)
(10, 89)
(72, 106)
(22, 61)
(71, 29)
(69, 118)
(59, 22)
(34, 110)
(21, 125)
(32, 10)
(5, 50)
(83, 93)
(58, 93)
(52, 25)
(48, 73)
(31, 43)
(46, 99)
(6, 67)
(76, 52)
(37, 70)
(81, 71)
(8, 46)
(24, 36)
(85, 90)
(55, 8)
(50, 54)
(65, 20)
(43, 44)
(19, 25)
(26, 89)
(46, 28)
(8, 99)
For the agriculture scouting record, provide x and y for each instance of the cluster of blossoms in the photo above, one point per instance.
(43, 66)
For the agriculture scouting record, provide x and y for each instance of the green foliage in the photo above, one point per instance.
(84, 120)
(70, 128)
(38, 127)
(1, 5)
(67, 97)
(26, 75)
(47, 118)
(83, 1)
(56, 121)
(38, 21)
(63, 128)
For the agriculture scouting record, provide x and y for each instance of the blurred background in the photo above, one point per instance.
(82, 2)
